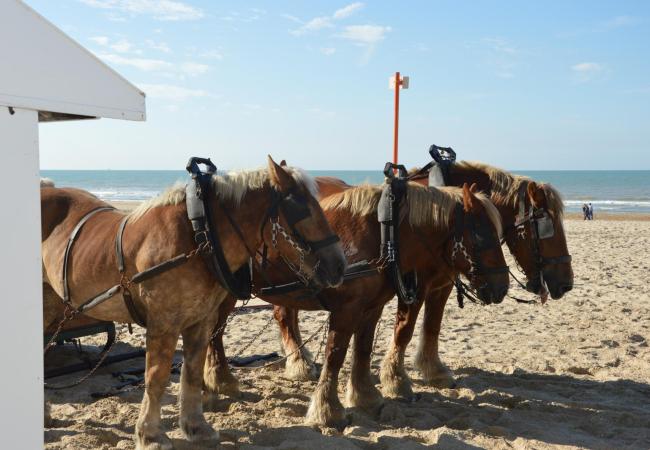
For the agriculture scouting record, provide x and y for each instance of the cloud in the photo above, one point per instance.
(156, 65)
(500, 45)
(365, 35)
(160, 46)
(640, 90)
(100, 40)
(319, 23)
(194, 69)
(122, 46)
(348, 10)
(165, 10)
(171, 92)
(587, 67)
(212, 54)
(587, 71)
(499, 55)
(144, 64)
(621, 21)
(328, 51)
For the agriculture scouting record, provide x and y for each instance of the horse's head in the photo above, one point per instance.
(476, 250)
(538, 243)
(300, 233)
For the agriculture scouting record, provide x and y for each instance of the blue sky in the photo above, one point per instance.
(521, 85)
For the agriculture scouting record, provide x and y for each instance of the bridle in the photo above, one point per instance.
(482, 241)
(541, 227)
(294, 208)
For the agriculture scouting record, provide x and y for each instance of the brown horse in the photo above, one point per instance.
(183, 301)
(426, 246)
(538, 258)
(545, 262)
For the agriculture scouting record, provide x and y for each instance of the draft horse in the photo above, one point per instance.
(543, 257)
(532, 215)
(183, 301)
(443, 232)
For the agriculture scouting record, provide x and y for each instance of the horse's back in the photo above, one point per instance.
(59, 204)
(330, 185)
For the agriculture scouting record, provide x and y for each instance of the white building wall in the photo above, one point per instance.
(21, 314)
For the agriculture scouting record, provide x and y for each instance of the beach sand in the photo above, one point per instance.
(570, 374)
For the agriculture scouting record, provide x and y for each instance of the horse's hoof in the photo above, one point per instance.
(398, 389)
(327, 417)
(443, 382)
(300, 370)
(160, 442)
(198, 430)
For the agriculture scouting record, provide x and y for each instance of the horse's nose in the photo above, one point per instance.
(566, 288)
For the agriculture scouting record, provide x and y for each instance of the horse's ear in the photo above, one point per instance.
(283, 163)
(536, 195)
(283, 181)
(473, 188)
(468, 198)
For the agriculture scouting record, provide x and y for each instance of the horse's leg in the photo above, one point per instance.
(160, 352)
(427, 360)
(361, 391)
(325, 407)
(299, 365)
(217, 377)
(395, 382)
(191, 421)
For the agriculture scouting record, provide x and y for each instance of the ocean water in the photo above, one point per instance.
(608, 191)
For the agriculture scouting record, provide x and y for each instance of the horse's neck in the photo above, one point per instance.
(507, 209)
(243, 234)
(422, 248)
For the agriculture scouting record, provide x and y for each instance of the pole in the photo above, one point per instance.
(395, 135)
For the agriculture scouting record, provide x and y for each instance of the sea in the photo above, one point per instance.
(609, 191)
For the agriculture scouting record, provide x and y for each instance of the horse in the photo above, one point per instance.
(539, 259)
(545, 261)
(183, 301)
(427, 247)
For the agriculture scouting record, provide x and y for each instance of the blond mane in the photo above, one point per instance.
(229, 188)
(505, 185)
(426, 206)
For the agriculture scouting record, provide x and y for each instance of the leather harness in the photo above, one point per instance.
(198, 193)
(388, 214)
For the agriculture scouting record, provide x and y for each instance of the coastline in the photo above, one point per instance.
(130, 205)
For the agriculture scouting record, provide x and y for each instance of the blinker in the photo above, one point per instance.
(294, 208)
(545, 229)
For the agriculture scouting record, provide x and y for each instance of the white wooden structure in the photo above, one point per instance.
(44, 76)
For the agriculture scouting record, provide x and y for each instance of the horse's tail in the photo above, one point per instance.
(46, 182)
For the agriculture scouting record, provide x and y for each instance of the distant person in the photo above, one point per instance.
(585, 211)
(591, 212)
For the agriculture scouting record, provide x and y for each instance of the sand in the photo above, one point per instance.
(571, 374)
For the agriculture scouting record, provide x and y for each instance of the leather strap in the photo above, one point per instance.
(237, 284)
(71, 241)
(137, 317)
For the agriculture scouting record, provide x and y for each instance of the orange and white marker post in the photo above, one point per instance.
(397, 82)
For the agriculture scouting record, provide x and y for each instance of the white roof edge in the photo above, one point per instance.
(71, 108)
(77, 44)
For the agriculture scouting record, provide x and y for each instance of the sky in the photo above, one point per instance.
(521, 85)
